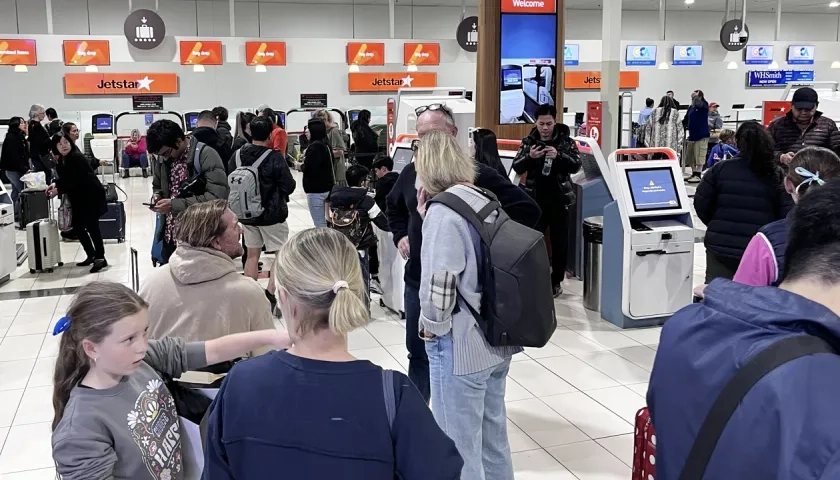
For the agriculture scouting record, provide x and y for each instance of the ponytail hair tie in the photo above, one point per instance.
(339, 285)
(62, 325)
(809, 177)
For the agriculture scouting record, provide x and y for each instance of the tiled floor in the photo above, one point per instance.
(570, 404)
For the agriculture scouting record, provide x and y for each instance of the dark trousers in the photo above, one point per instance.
(374, 260)
(167, 251)
(718, 268)
(418, 362)
(91, 239)
(555, 217)
(38, 166)
(364, 262)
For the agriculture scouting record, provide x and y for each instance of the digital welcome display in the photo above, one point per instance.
(758, 54)
(528, 63)
(688, 55)
(800, 55)
(640, 56)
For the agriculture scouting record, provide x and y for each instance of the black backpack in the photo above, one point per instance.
(517, 303)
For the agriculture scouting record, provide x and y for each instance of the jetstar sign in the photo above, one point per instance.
(120, 83)
(529, 6)
(389, 82)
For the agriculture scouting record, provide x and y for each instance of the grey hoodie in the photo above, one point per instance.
(130, 431)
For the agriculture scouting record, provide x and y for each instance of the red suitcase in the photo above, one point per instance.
(644, 447)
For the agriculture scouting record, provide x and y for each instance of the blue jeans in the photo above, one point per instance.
(471, 410)
(17, 187)
(316, 208)
(127, 160)
(418, 362)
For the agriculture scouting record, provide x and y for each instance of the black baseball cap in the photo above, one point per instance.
(805, 98)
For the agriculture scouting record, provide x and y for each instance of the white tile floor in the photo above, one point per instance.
(570, 404)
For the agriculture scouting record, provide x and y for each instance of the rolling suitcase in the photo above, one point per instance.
(34, 205)
(112, 224)
(42, 241)
(644, 447)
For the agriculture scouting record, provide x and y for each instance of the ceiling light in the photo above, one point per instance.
(261, 69)
(834, 4)
(354, 68)
(733, 65)
(21, 69)
(835, 64)
(91, 69)
(198, 68)
(774, 65)
(412, 68)
(689, 2)
(663, 66)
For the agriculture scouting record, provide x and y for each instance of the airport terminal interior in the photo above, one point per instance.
(572, 404)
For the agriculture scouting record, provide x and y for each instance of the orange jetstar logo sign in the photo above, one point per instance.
(389, 82)
(265, 53)
(120, 83)
(87, 52)
(365, 53)
(580, 80)
(18, 52)
(201, 52)
(421, 54)
(529, 6)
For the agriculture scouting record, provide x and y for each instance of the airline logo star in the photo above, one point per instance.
(406, 82)
(144, 83)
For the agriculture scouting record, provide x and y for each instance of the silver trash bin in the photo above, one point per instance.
(593, 251)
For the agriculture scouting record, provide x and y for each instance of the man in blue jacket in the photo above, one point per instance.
(786, 426)
(697, 122)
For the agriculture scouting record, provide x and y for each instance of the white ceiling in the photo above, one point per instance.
(766, 6)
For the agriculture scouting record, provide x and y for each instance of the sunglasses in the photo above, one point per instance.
(434, 107)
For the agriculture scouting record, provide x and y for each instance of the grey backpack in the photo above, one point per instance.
(517, 302)
(245, 199)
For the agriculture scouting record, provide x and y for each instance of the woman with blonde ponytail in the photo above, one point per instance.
(315, 411)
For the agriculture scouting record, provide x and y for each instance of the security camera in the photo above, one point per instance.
(744, 36)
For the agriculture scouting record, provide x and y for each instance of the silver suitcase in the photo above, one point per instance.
(42, 243)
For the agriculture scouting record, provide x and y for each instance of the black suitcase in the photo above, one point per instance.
(112, 224)
(34, 205)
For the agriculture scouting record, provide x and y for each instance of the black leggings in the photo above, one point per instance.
(91, 239)
(555, 218)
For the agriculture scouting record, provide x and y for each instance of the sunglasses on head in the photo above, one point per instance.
(434, 107)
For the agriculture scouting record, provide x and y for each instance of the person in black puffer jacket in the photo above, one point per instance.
(366, 141)
(318, 173)
(14, 159)
(222, 126)
(737, 197)
(803, 126)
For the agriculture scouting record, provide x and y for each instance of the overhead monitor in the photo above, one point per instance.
(571, 55)
(192, 120)
(653, 189)
(688, 55)
(281, 119)
(800, 55)
(640, 56)
(758, 54)
(403, 155)
(354, 115)
(103, 124)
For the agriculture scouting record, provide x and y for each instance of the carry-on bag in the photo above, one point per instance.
(644, 447)
(112, 224)
(34, 205)
(42, 241)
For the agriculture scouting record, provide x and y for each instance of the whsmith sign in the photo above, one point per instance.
(777, 78)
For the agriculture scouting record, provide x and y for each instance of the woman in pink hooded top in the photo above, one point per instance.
(135, 154)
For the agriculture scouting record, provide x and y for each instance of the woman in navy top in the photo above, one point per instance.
(315, 411)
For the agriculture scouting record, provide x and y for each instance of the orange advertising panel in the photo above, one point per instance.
(592, 80)
(201, 52)
(365, 53)
(18, 52)
(87, 52)
(421, 54)
(773, 109)
(265, 53)
(389, 82)
(120, 83)
(529, 6)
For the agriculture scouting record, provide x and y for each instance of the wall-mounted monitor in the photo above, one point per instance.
(103, 123)
(688, 55)
(800, 55)
(640, 55)
(528, 65)
(758, 55)
(571, 55)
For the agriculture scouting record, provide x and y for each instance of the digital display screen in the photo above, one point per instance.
(800, 55)
(571, 55)
(640, 55)
(402, 157)
(528, 67)
(653, 189)
(688, 55)
(104, 123)
(354, 116)
(758, 54)
(192, 120)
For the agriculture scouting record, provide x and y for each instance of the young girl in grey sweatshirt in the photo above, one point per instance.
(114, 416)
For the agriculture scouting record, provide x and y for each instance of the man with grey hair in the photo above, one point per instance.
(406, 225)
(183, 295)
(39, 142)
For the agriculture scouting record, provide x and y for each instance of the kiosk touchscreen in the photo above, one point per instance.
(102, 124)
(402, 153)
(191, 120)
(648, 243)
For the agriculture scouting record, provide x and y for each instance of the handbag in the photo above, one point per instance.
(65, 215)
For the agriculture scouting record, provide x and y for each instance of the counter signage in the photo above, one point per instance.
(313, 100)
(640, 56)
(593, 120)
(758, 55)
(800, 55)
(777, 78)
(688, 55)
(592, 80)
(18, 52)
(421, 54)
(87, 52)
(120, 83)
(365, 53)
(147, 102)
(571, 55)
(201, 52)
(265, 53)
(359, 82)
(773, 109)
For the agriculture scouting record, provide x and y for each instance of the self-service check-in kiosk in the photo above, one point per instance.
(101, 142)
(648, 250)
